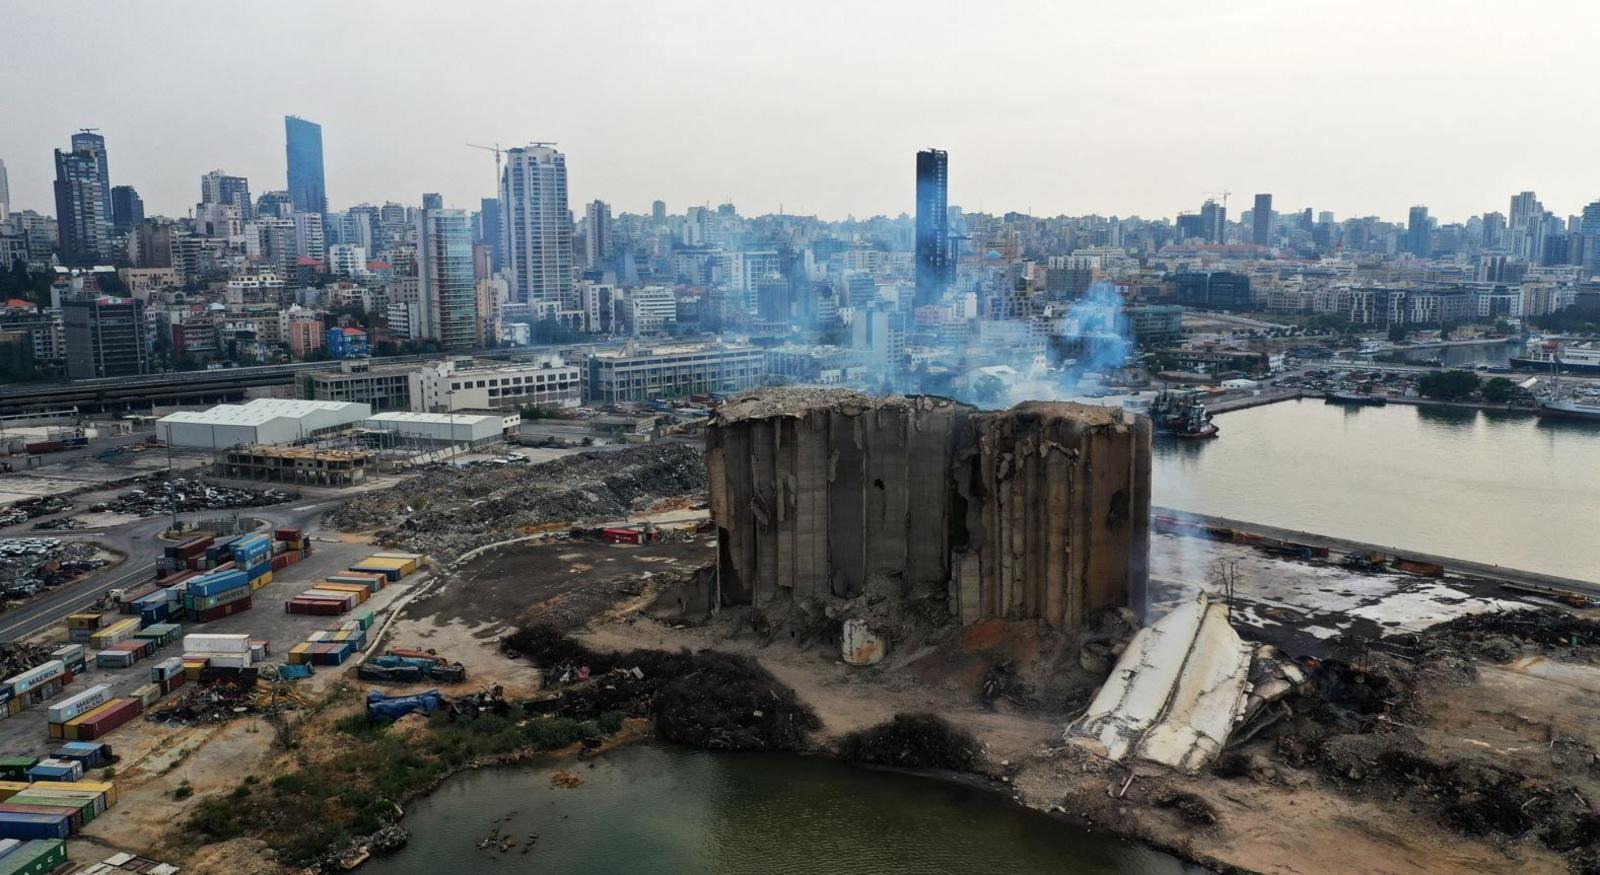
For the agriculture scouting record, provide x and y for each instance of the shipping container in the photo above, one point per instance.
(363, 617)
(287, 534)
(98, 723)
(72, 656)
(33, 826)
(35, 858)
(392, 572)
(39, 674)
(172, 666)
(314, 607)
(191, 547)
(121, 630)
(261, 579)
(419, 560)
(217, 581)
(167, 685)
(373, 582)
(300, 654)
(16, 768)
(130, 599)
(148, 694)
(80, 703)
(86, 620)
(56, 770)
(216, 643)
(92, 754)
(227, 660)
(219, 612)
(216, 600)
(161, 633)
(59, 808)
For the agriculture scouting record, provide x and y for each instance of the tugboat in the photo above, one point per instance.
(1181, 414)
(1362, 397)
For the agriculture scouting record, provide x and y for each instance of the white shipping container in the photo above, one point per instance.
(224, 660)
(83, 702)
(37, 675)
(208, 644)
(169, 667)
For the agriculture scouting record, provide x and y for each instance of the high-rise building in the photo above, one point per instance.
(934, 264)
(83, 203)
(1214, 221)
(127, 208)
(217, 187)
(1419, 235)
(310, 239)
(1261, 231)
(433, 201)
(1494, 231)
(1306, 224)
(449, 298)
(87, 140)
(302, 140)
(105, 337)
(536, 226)
(1589, 240)
(658, 211)
(597, 234)
(5, 194)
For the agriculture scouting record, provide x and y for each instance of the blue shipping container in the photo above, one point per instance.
(16, 825)
(150, 615)
(212, 584)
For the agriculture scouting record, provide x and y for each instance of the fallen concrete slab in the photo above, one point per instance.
(1177, 691)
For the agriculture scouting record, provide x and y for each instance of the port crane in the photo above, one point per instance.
(499, 152)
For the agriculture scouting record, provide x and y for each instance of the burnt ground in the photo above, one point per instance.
(563, 583)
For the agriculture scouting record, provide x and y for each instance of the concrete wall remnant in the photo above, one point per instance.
(1038, 512)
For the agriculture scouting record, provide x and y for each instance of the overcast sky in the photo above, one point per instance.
(1359, 107)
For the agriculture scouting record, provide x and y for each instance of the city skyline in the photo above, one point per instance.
(1308, 106)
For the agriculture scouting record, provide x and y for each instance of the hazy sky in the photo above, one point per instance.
(1360, 107)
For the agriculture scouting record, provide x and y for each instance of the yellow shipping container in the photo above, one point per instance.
(118, 631)
(261, 581)
(109, 789)
(300, 654)
(69, 729)
(409, 561)
(16, 705)
(83, 621)
(9, 789)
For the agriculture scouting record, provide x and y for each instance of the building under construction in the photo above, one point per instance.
(1038, 512)
(306, 466)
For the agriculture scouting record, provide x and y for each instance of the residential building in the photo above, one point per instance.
(447, 292)
(346, 342)
(105, 337)
(83, 204)
(302, 330)
(218, 187)
(5, 194)
(127, 208)
(935, 266)
(1261, 220)
(348, 259)
(536, 227)
(1419, 233)
(597, 235)
(308, 190)
(634, 374)
(647, 310)
(309, 241)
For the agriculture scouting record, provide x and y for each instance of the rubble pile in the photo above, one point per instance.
(30, 565)
(31, 509)
(222, 701)
(447, 512)
(16, 657)
(179, 495)
(913, 741)
(717, 701)
(1504, 636)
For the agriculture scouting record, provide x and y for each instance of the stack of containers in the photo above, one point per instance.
(10, 702)
(73, 656)
(16, 768)
(56, 770)
(115, 633)
(33, 857)
(154, 608)
(220, 551)
(187, 554)
(36, 684)
(93, 754)
(136, 594)
(125, 653)
(394, 569)
(59, 713)
(30, 825)
(417, 560)
(216, 595)
(168, 674)
(81, 626)
(217, 651)
(253, 554)
(96, 723)
(320, 602)
(161, 633)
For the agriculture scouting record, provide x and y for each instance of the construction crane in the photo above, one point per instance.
(499, 151)
(1222, 194)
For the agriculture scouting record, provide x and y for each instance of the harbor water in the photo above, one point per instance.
(653, 808)
(1497, 488)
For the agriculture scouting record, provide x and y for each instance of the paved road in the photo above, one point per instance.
(141, 543)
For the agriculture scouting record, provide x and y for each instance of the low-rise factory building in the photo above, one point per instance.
(475, 429)
(261, 421)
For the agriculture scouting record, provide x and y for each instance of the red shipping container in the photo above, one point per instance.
(280, 562)
(314, 607)
(286, 534)
(171, 683)
(121, 712)
(221, 611)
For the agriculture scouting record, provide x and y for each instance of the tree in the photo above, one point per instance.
(1448, 385)
(1498, 390)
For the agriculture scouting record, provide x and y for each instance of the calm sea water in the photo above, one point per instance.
(663, 809)
(1497, 488)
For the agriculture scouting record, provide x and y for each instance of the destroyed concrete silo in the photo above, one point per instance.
(823, 496)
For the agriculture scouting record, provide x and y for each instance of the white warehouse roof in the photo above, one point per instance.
(261, 421)
(472, 428)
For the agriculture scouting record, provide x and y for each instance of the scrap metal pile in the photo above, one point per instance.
(445, 513)
(16, 658)
(222, 701)
(33, 508)
(29, 565)
(162, 496)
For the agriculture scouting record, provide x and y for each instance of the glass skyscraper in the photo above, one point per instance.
(303, 148)
(934, 264)
(444, 270)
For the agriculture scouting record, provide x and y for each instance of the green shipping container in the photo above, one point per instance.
(16, 768)
(84, 806)
(34, 858)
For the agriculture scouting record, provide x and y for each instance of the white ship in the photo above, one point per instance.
(1569, 408)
